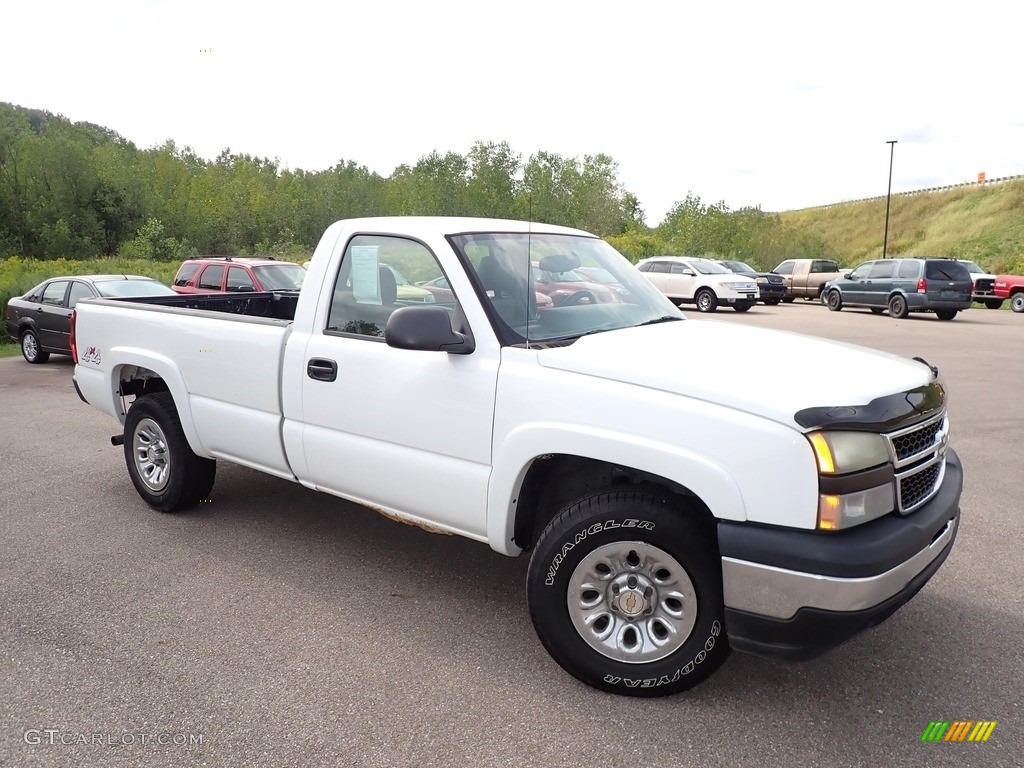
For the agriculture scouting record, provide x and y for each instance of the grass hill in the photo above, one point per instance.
(983, 223)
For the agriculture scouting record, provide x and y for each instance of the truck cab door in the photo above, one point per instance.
(405, 431)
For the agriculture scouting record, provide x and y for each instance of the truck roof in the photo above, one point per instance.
(455, 225)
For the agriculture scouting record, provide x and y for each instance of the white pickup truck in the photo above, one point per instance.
(674, 507)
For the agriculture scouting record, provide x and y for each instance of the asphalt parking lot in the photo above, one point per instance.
(274, 626)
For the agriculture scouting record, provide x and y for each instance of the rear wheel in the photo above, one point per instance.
(788, 300)
(993, 303)
(1017, 302)
(742, 306)
(898, 307)
(945, 314)
(162, 466)
(877, 310)
(706, 300)
(31, 349)
(772, 302)
(625, 592)
(834, 300)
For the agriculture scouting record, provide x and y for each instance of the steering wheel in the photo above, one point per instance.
(577, 298)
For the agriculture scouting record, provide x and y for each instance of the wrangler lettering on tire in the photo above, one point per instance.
(625, 592)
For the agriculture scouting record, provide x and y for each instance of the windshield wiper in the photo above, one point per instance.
(662, 319)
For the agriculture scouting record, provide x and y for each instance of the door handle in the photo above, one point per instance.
(322, 369)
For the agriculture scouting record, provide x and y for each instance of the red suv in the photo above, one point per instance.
(235, 274)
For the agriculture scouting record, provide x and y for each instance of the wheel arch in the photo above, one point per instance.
(529, 486)
(138, 375)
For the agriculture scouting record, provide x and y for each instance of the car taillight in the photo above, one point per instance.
(922, 286)
(71, 340)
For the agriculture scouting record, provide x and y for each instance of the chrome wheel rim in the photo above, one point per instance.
(632, 602)
(29, 346)
(704, 302)
(152, 460)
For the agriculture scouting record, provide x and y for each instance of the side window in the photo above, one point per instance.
(378, 275)
(661, 266)
(79, 290)
(238, 280)
(824, 266)
(881, 270)
(679, 268)
(907, 270)
(53, 294)
(862, 272)
(785, 268)
(645, 267)
(185, 274)
(211, 277)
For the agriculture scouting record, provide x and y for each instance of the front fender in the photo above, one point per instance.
(523, 445)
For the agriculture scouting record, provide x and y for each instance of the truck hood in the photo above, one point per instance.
(768, 373)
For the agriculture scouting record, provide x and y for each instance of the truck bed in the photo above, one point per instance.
(278, 305)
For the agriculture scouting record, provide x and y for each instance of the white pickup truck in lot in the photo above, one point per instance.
(674, 505)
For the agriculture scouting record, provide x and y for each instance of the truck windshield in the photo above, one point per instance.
(532, 285)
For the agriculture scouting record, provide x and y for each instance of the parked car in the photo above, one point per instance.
(807, 277)
(569, 286)
(442, 291)
(903, 286)
(984, 284)
(703, 282)
(1010, 287)
(237, 274)
(40, 320)
(771, 286)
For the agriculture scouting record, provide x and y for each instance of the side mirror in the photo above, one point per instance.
(848, 275)
(689, 272)
(428, 329)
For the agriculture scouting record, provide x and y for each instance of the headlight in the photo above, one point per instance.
(841, 452)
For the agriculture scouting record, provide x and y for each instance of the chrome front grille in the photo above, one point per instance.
(919, 455)
(984, 284)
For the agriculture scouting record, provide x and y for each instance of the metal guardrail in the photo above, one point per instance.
(981, 183)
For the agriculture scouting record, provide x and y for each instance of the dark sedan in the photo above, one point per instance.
(41, 319)
(771, 285)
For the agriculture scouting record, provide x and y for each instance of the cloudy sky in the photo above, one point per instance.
(780, 104)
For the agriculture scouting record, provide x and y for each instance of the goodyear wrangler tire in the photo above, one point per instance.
(162, 466)
(625, 592)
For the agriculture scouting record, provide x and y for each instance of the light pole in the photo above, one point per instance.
(888, 198)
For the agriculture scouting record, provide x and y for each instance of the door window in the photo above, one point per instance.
(881, 270)
(378, 275)
(239, 280)
(680, 269)
(785, 268)
(53, 294)
(79, 290)
(861, 272)
(211, 278)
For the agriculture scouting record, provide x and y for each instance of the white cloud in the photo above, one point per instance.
(779, 105)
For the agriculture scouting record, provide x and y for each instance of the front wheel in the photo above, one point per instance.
(834, 301)
(772, 302)
(898, 307)
(1017, 302)
(31, 349)
(625, 592)
(945, 314)
(993, 303)
(162, 466)
(742, 306)
(706, 300)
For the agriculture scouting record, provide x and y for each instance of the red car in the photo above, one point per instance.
(1010, 287)
(571, 287)
(235, 274)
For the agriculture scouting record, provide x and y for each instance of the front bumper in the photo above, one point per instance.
(796, 594)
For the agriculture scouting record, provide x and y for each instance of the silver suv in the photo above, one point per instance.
(903, 286)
